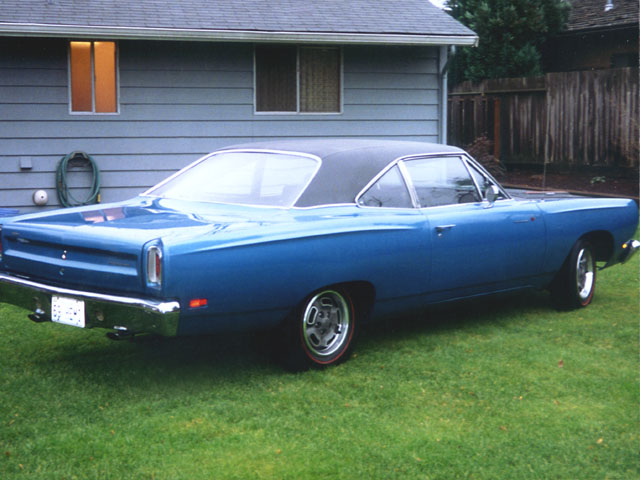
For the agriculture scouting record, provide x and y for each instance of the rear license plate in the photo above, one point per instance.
(68, 311)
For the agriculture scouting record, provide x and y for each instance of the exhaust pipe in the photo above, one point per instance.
(38, 316)
(120, 334)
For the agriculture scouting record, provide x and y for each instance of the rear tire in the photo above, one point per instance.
(575, 283)
(320, 332)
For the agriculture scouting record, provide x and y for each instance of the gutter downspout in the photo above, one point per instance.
(446, 53)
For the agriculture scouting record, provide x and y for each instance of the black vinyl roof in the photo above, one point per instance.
(348, 165)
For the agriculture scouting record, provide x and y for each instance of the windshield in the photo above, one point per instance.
(245, 178)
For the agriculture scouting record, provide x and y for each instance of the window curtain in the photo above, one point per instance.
(276, 79)
(319, 80)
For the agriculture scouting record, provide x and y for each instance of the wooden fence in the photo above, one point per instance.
(573, 119)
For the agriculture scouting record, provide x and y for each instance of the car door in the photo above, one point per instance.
(473, 242)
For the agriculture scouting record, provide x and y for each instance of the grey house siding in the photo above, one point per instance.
(180, 100)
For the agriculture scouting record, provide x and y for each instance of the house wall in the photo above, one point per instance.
(181, 100)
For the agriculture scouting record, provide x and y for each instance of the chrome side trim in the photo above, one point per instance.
(101, 310)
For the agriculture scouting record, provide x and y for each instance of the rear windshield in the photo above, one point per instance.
(244, 178)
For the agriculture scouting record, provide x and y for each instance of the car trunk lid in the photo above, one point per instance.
(93, 249)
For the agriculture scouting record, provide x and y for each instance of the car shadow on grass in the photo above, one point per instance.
(234, 356)
(461, 315)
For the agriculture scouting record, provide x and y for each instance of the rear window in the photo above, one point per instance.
(244, 178)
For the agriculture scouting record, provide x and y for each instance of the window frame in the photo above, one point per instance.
(297, 111)
(412, 187)
(93, 79)
(395, 164)
(468, 163)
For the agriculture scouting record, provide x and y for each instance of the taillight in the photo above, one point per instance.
(154, 265)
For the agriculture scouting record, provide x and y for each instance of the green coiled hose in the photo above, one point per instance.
(76, 159)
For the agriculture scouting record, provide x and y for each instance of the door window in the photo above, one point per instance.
(441, 181)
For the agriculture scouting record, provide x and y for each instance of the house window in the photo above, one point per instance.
(298, 79)
(93, 77)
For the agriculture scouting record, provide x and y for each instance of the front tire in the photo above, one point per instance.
(320, 332)
(575, 283)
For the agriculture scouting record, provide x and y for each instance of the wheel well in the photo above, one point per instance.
(362, 294)
(602, 243)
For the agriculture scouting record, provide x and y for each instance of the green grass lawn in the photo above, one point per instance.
(505, 388)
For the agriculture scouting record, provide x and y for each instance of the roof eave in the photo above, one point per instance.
(600, 28)
(142, 33)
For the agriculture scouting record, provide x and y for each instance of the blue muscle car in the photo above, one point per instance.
(308, 239)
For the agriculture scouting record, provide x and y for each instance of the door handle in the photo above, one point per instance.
(442, 228)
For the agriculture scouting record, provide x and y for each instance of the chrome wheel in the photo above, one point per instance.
(585, 274)
(575, 283)
(326, 325)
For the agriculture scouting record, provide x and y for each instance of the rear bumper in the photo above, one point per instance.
(100, 310)
(629, 249)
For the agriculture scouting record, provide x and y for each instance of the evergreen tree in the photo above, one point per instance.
(511, 33)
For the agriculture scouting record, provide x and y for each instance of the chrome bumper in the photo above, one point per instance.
(629, 249)
(105, 311)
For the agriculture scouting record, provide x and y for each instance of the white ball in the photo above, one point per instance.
(40, 197)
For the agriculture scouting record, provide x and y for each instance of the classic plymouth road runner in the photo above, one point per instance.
(308, 239)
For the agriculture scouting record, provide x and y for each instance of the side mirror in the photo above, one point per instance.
(491, 194)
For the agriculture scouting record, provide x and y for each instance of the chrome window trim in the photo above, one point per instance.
(464, 157)
(324, 205)
(405, 175)
(317, 159)
(465, 162)
(409, 180)
(398, 161)
(378, 176)
(486, 173)
(409, 183)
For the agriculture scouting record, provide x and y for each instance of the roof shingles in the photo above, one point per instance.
(588, 14)
(387, 17)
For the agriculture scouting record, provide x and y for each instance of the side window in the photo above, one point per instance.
(483, 181)
(389, 191)
(442, 181)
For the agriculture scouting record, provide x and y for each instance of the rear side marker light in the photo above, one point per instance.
(198, 302)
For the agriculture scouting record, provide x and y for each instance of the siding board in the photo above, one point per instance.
(193, 113)
(113, 163)
(36, 77)
(369, 96)
(186, 79)
(161, 130)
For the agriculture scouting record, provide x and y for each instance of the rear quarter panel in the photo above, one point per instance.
(255, 280)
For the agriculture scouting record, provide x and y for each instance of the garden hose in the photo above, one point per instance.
(76, 159)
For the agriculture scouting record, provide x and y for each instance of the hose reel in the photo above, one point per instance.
(77, 159)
